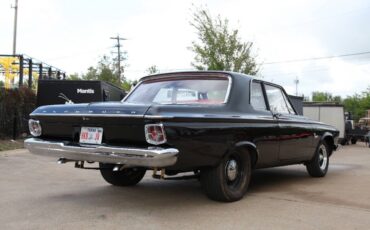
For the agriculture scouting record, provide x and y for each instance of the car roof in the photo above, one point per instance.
(195, 73)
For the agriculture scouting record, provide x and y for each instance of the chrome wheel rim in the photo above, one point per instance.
(323, 157)
(232, 170)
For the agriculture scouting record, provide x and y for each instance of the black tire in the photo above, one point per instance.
(353, 141)
(318, 166)
(125, 177)
(222, 183)
(343, 141)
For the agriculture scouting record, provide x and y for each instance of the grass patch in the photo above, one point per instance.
(10, 144)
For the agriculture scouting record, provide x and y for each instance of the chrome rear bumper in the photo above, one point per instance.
(145, 157)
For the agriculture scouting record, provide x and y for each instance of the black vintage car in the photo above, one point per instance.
(218, 125)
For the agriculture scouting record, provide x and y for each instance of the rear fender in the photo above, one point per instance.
(250, 148)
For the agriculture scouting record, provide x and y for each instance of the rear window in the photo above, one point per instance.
(181, 91)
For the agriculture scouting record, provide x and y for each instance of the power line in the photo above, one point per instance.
(118, 45)
(280, 73)
(316, 58)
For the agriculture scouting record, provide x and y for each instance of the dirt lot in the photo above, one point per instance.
(36, 193)
(10, 144)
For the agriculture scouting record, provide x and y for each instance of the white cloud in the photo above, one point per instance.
(73, 34)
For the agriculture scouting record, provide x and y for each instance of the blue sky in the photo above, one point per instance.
(72, 35)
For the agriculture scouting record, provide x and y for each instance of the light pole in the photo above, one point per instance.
(296, 82)
(15, 7)
(118, 45)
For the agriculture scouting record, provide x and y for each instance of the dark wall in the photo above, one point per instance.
(78, 91)
(297, 103)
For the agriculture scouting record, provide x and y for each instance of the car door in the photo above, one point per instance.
(295, 133)
(265, 128)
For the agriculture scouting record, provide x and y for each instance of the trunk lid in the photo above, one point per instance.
(122, 123)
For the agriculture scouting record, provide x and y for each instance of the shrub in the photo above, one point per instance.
(15, 107)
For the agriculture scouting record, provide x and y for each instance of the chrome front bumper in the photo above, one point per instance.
(145, 157)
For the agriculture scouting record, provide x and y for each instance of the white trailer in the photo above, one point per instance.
(329, 113)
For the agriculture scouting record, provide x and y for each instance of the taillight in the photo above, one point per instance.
(35, 127)
(154, 134)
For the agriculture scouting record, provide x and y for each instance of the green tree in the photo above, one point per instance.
(352, 105)
(127, 85)
(152, 70)
(106, 70)
(91, 74)
(103, 72)
(337, 99)
(322, 96)
(73, 76)
(358, 104)
(219, 47)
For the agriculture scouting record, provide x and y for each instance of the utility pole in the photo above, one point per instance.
(296, 82)
(119, 55)
(15, 7)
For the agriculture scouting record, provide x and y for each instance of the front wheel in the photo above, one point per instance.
(318, 166)
(125, 177)
(230, 179)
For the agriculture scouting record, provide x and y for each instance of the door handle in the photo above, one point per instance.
(277, 115)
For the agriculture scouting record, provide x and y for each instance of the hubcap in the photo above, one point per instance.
(323, 157)
(231, 169)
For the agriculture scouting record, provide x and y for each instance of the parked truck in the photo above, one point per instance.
(333, 114)
(329, 113)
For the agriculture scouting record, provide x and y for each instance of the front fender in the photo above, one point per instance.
(329, 139)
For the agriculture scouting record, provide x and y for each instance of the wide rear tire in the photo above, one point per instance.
(125, 177)
(228, 181)
(318, 166)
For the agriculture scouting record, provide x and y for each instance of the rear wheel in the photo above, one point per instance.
(125, 177)
(230, 179)
(318, 166)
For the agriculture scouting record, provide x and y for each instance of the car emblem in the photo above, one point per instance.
(85, 118)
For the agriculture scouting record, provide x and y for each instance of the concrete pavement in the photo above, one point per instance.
(37, 193)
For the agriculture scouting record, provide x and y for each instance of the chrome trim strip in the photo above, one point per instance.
(228, 89)
(86, 115)
(208, 116)
(144, 157)
(158, 117)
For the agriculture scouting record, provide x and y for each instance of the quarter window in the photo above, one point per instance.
(277, 100)
(257, 98)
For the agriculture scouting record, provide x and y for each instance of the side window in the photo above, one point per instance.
(290, 108)
(277, 101)
(257, 98)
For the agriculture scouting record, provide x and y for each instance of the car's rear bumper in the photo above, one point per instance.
(145, 157)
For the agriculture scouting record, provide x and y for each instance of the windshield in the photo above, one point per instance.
(181, 91)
